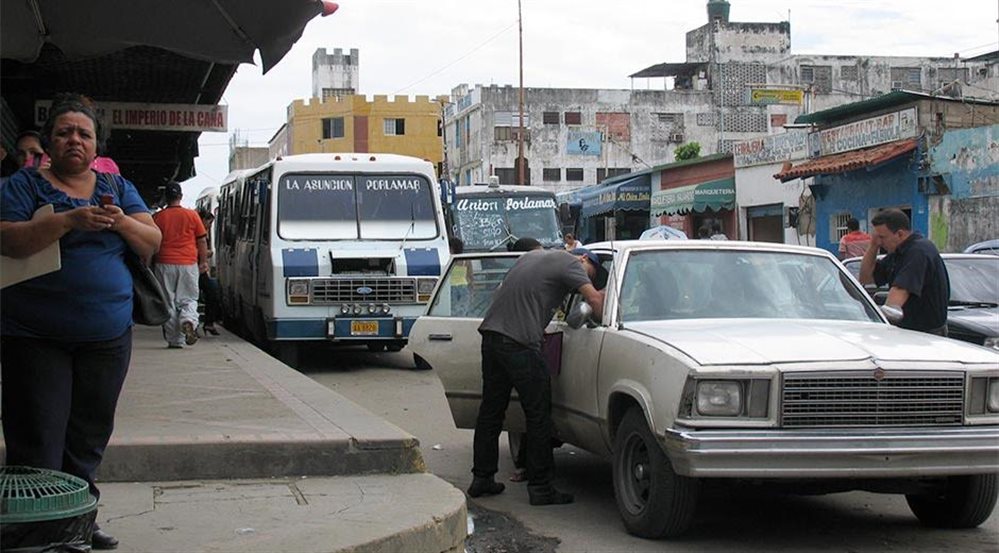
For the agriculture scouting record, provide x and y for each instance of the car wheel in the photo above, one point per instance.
(654, 501)
(962, 502)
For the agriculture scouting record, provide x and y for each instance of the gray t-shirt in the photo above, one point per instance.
(527, 298)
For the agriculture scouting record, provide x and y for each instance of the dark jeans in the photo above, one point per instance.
(507, 365)
(211, 293)
(59, 401)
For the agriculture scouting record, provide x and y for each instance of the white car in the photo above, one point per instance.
(741, 360)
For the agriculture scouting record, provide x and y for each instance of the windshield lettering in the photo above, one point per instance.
(319, 185)
(392, 184)
(476, 205)
(530, 203)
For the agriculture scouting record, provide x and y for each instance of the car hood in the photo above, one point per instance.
(766, 341)
(980, 320)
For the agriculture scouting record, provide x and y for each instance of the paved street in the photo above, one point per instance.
(730, 518)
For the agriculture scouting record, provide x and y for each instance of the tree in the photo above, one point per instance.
(690, 150)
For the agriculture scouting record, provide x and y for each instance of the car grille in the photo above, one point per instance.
(859, 399)
(345, 290)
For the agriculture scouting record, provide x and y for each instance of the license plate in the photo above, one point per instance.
(363, 328)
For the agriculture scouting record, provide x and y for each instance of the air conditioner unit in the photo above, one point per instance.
(676, 137)
(897, 85)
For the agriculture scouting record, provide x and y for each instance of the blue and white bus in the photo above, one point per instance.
(344, 248)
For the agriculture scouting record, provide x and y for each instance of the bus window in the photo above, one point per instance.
(396, 207)
(317, 207)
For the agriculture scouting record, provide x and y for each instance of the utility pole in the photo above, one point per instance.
(520, 130)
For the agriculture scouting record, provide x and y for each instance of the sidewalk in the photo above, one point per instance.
(224, 448)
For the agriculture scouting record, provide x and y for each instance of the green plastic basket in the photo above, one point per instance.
(28, 494)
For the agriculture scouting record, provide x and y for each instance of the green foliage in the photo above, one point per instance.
(690, 150)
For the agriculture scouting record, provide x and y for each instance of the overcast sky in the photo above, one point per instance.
(410, 47)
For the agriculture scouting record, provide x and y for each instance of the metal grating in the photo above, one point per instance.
(345, 290)
(912, 399)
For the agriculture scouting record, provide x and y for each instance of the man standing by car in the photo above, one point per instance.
(182, 256)
(914, 271)
(512, 335)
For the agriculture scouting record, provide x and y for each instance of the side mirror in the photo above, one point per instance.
(892, 313)
(880, 297)
(579, 315)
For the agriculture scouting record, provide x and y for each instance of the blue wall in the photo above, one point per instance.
(969, 160)
(891, 184)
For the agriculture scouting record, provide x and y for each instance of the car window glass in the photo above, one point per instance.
(467, 288)
(973, 280)
(689, 284)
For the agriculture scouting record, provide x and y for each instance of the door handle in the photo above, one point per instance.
(439, 337)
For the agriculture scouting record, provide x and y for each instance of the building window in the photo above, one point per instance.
(819, 76)
(778, 120)
(551, 175)
(611, 172)
(906, 77)
(332, 127)
(506, 175)
(837, 226)
(395, 127)
(947, 75)
(573, 118)
(550, 118)
(848, 73)
(337, 92)
(501, 134)
(574, 175)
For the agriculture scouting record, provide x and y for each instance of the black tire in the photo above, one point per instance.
(962, 502)
(654, 502)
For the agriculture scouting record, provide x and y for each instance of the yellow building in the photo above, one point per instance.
(353, 124)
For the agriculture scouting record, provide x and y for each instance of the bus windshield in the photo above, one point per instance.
(345, 207)
(486, 223)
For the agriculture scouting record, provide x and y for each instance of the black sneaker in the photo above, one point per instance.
(485, 486)
(549, 496)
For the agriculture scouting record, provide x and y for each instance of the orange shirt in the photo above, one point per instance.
(181, 227)
(854, 243)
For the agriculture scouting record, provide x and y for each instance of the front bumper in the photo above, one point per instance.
(834, 453)
(341, 329)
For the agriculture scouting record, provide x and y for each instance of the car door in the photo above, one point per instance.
(447, 338)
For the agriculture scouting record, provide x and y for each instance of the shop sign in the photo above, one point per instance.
(153, 117)
(865, 133)
(772, 148)
(770, 96)
(581, 143)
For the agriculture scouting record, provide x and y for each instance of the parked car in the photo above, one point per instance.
(973, 313)
(988, 246)
(742, 360)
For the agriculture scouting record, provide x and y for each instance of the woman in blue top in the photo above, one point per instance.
(66, 337)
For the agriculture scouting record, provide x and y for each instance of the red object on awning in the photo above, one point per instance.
(848, 161)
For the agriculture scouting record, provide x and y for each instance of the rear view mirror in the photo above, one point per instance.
(579, 315)
(880, 297)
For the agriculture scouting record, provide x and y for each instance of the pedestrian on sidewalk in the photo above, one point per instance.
(208, 285)
(182, 257)
(66, 336)
(855, 242)
(512, 335)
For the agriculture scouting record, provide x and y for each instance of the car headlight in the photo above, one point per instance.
(424, 288)
(719, 398)
(993, 403)
(992, 342)
(298, 291)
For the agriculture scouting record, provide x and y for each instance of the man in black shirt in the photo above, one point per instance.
(919, 285)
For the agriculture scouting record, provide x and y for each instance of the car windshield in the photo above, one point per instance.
(973, 280)
(332, 207)
(485, 223)
(700, 284)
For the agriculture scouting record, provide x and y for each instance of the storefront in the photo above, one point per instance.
(617, 210)
(694, 194)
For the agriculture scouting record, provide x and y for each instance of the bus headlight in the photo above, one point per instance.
(425, 288)
(345, 309)
(298, 291)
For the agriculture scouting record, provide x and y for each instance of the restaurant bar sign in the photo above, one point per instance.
(770, 96)
(772, 148)
(153, 117)
(864, 133)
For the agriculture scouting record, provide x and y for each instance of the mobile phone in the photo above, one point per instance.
(106, 200)
(36, 160)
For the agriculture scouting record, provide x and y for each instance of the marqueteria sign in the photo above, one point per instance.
(864, 133)
(153, 117)
(772, 148)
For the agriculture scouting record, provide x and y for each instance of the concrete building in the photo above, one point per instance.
(933, 157)
(335, 74)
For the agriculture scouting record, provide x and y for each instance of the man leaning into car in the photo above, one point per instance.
(914, 270)
(512, 334)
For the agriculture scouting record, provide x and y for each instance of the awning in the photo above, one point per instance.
(221, 31)
(713, 195)
(628, 195)
(571, 197)
(848, 161)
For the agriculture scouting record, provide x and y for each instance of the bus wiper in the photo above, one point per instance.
(506, 239)
(412, 226)
(963, 303)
